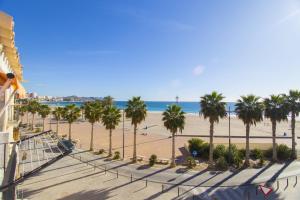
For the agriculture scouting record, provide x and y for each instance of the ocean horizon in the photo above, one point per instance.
(159, 106)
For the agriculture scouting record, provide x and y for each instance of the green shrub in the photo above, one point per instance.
(204, 152)
(234, 156)
(201, 147)
(261, 161)
(268, 153)
(230, 153)
(219, 151)
(256, 153)
(195, 144)
(283, 152)
(38, 130)
(101, 151)
(237, 160)
(221, 164)
(191, 163)
(117, 155)
(242, 153)
(152, 159)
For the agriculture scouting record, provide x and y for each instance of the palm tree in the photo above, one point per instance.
(212, 108)
(27, 114)
(71, 113)
(44, 111)
(107, 101)
(22, 110)
(276, 111)
(174, 121)
(249, 110)
(57, 113)
(111, 118)
(136, 110)
(93, 112)
(33, 107)
(82, 107)
(292, 102)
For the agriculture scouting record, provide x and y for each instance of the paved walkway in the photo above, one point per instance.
(82, 175)
(70, 179)
(180, 175)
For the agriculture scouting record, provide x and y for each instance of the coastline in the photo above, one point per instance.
(190, 108)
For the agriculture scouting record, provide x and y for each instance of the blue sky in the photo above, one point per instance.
(158, 49)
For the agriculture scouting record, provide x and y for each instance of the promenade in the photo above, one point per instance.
(96, 177)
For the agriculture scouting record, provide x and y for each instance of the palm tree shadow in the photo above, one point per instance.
(156, 195)
(220, 182)
(143, 167)
(250, 180)
(238, 193)
(276, 175)
(181, 171)
(182, 157)
(138, 179)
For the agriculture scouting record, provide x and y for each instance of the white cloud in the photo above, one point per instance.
(198, 70)
(290, 16)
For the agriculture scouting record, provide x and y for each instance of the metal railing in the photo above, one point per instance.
(249, 190)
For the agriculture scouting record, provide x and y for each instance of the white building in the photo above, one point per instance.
(11, 74)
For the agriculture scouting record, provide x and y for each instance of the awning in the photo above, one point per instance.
(15, 83)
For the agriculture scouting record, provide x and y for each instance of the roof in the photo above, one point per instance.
(7, 44)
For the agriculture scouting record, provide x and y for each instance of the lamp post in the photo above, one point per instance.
(123, 136)
(229, 132)
(177, 99)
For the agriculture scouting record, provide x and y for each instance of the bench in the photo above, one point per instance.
(140, 158)
(163, 161)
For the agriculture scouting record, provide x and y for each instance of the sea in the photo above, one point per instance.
(155, 106)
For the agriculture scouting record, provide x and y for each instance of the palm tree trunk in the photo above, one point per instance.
(50, 122)
(294, 154)
(173, 151)
(134, 144)
(43, 124)
(110, 143)
(274, 141)
(32, 121)
(92, 138)
(211, 143)
(70, 132)
(57, 127)
(247, 163)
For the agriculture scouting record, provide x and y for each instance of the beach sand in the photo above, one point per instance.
(155, 139)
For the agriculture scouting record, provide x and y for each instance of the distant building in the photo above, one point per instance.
(32, 95)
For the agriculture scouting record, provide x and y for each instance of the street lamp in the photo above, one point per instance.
(123, 136)
(229, 132)
(177, 99)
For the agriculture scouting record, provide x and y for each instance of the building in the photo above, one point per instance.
(11, 76)
(32, 95)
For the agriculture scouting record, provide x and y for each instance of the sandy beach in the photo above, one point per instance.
(155, 139)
